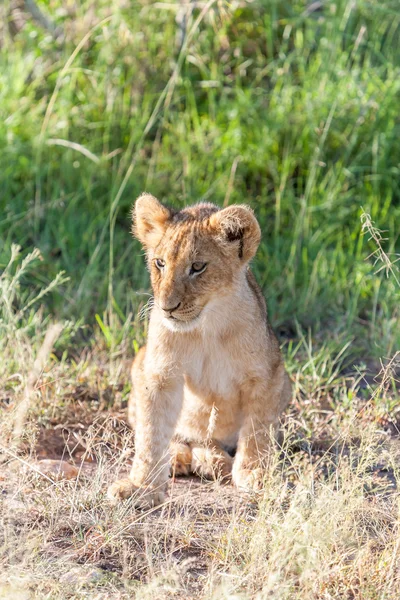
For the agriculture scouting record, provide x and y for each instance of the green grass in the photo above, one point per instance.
(289, 109)
(294, 113)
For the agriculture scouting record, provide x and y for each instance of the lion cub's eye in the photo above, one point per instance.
(160, 264)
(197, 267)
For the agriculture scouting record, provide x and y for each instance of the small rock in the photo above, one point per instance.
(81, 576)
(57, 469)
(14, 505)
(18, 513)
(15, 591)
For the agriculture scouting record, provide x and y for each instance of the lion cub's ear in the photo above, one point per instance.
(150, 220)
(237, 226)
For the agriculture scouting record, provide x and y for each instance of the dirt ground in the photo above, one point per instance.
(61, 539)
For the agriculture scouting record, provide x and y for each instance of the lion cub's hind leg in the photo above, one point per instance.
(211, 461)
(181, 457)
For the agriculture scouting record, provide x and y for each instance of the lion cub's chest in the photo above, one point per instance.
(210, 369)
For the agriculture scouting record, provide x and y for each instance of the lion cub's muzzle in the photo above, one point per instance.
(181, 313)
(169, 311)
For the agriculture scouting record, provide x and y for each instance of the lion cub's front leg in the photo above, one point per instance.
(158, 399)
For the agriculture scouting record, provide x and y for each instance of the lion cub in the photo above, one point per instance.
(211, 378)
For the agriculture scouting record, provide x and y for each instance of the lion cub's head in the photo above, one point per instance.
(196, 256)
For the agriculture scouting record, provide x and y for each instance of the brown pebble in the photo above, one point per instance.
(57, 469)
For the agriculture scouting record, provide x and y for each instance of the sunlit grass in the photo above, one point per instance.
(290, 110)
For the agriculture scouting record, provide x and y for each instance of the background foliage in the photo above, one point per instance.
(289, 106)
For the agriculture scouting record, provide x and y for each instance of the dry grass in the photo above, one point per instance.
(325, 527)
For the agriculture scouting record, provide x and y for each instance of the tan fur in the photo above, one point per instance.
(211, 377)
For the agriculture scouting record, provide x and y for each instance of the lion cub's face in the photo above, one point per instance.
(195, 255)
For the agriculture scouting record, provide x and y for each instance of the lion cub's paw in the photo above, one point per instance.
(211, 463)
(181, 459)
(251, 480)
(144, 497)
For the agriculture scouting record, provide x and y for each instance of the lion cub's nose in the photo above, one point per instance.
(171, 309)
